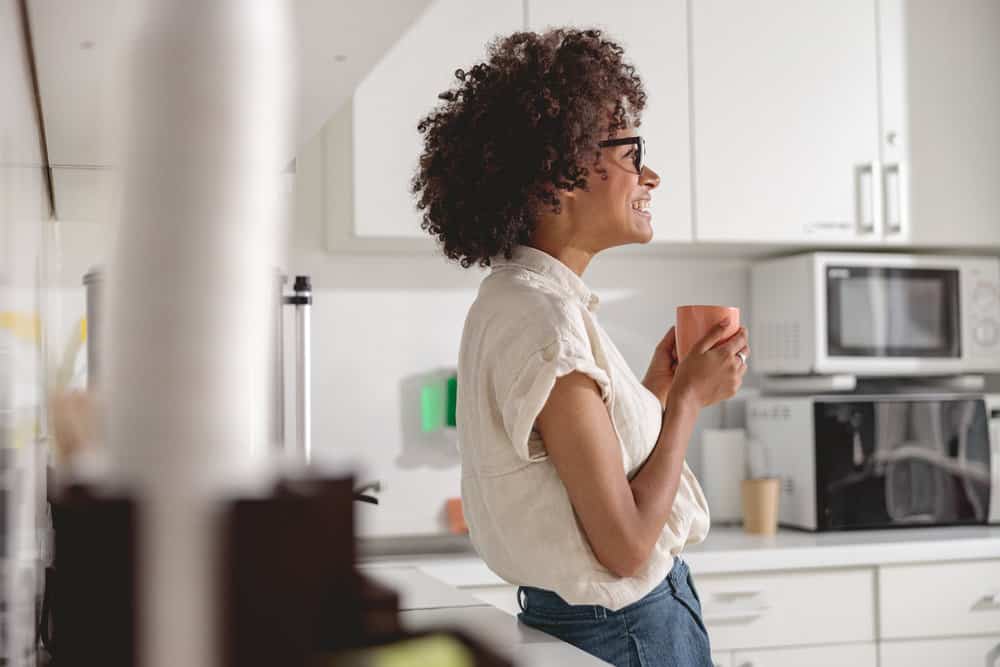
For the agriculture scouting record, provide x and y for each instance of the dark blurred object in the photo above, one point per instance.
(92, 590)
(291, 595)
(289, 586)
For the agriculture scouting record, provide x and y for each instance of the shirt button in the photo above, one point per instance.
(549, 353)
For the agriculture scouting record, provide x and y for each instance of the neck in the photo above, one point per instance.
(576, 259)
(562, 247)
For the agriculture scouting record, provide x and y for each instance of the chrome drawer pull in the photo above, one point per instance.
(736, 615)
(988, 602)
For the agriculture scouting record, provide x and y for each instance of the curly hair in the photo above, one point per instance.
(515, 129)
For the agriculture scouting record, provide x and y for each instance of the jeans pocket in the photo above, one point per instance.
(693, 607)
(694, 591)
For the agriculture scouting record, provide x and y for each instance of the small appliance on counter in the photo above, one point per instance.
(864, 461)
(873, 404)
(876, 314)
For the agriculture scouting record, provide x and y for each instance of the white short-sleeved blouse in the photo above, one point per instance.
(534, 321)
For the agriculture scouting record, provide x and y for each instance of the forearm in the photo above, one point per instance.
(655, 486)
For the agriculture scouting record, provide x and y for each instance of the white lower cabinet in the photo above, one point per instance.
(768, 609)
(722, 659)
(953, 652)
(852, 655)
(912, 605)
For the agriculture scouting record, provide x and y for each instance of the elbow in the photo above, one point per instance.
(628, 560)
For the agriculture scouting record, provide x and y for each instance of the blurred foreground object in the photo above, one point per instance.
(288, 590)
(189, 288)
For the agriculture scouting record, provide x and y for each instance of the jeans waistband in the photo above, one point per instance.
(548, 601)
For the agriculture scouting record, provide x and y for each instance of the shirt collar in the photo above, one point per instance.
(557, 273)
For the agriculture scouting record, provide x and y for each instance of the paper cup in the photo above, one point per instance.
(760, 505)
(693, 322)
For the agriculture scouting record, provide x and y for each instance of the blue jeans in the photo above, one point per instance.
(664, 628)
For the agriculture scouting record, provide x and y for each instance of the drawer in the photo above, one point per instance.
(722, 659)
(939, 599)
(959, 652)
(855, 655)
(788, 608)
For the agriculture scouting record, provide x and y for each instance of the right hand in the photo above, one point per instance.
(711, 372)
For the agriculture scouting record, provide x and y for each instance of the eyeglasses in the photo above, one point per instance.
(637, 154)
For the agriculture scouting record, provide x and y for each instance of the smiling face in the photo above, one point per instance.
(615, 210)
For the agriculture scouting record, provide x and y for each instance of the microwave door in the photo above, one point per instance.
(892, 312)
(923, 462)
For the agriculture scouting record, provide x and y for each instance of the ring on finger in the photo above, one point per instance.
(743, 357)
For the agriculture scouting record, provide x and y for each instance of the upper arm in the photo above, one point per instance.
(582, 444)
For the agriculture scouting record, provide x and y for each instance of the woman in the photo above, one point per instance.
(574, 483)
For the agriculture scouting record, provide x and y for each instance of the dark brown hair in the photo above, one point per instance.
(513, 130)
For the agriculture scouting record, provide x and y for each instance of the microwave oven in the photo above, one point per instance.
(876, 314)
(881, 461)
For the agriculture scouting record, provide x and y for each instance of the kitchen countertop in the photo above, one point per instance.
(729, 549)
(426, 603)
(431, 585)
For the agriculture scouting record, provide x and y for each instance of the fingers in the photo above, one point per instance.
(712, 338)
(670, 340)
(670, 345)
(735, 344)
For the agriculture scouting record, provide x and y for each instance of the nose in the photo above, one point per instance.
(649, 178)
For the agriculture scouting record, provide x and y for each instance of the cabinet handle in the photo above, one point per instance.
(993, 657)
(864, 184)
(892, 193)
(736, 615)
(988, 602)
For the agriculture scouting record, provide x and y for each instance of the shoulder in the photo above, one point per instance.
(516, 305)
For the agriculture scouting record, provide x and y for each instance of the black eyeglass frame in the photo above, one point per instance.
(640, 149)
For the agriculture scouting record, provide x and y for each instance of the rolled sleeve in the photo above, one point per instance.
(525, 396)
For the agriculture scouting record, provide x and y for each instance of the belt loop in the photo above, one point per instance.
(600, 613)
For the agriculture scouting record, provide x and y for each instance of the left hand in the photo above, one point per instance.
(660, 375)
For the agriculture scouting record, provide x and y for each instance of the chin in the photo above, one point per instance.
(644, 235)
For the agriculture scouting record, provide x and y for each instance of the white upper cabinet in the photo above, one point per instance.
(953, 80)
(400, 90)
(654, 36)
(786, 121)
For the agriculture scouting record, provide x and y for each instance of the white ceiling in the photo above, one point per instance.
(77, 41)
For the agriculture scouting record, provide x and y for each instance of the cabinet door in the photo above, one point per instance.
(654, 36)
(968, 605)
(953, 82)
(400, 90)
(855, 655)
(785, 99)
(972, 651)
(722, 659)
(788, 608)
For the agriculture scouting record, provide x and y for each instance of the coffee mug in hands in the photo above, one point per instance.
(694, 322)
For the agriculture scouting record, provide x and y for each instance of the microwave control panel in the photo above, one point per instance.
(982, 298)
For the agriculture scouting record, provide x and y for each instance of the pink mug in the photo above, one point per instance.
(693, 322)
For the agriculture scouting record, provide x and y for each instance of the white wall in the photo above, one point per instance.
(381, 322)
